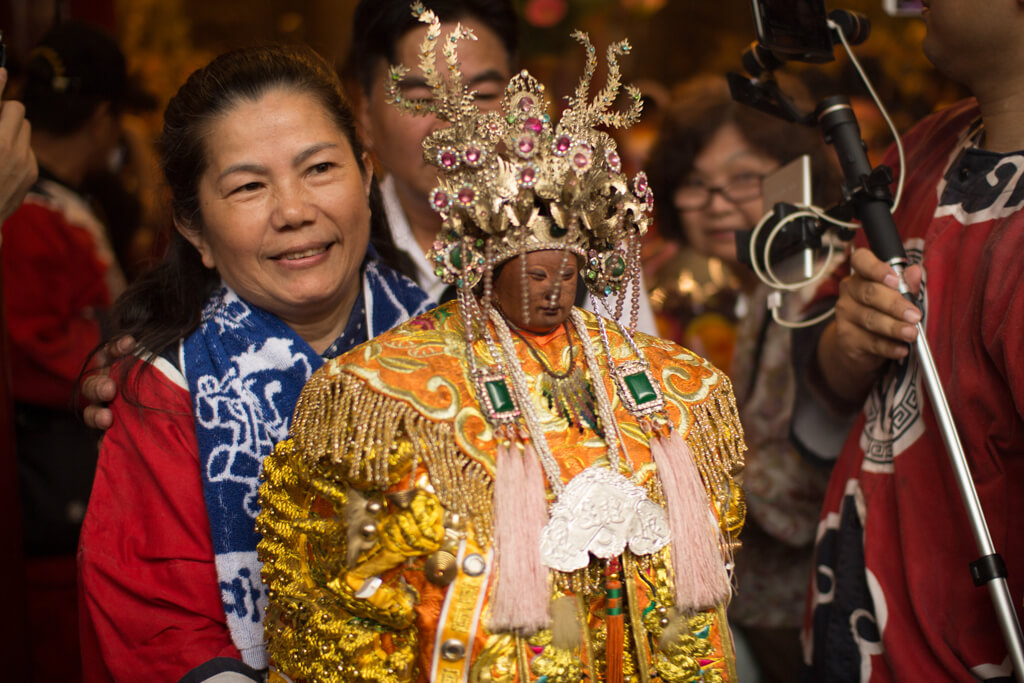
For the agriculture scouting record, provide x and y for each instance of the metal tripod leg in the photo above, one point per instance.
(989, 568)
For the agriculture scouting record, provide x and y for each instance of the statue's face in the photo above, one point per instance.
(548, 282)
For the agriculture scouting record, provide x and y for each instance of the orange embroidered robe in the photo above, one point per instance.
(377, 520)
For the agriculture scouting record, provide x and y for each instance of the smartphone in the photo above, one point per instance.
(902, 8)
(794, 29)
(781, 192)
(790, 184)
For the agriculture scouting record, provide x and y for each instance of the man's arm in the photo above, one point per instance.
(18, 168)
(836, 363)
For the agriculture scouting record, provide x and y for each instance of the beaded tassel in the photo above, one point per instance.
(700, 575)
(614, 623)
(520, 600)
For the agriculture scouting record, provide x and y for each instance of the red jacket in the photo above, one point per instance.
(149, 598)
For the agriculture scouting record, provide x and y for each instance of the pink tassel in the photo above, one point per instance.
(701, 578)
(520, 600)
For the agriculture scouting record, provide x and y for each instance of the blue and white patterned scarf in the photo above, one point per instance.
(245, 369)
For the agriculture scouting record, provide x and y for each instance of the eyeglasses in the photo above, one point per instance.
(740, 188)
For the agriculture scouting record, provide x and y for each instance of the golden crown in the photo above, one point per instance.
(512, 181)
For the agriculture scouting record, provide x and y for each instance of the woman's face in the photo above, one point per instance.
(284, 208)
(726, 161)
(550, 289)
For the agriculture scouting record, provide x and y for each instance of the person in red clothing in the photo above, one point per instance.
(271, 270)
(60, 274)
(892, 598)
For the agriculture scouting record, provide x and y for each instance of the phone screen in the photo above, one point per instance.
(796, 29)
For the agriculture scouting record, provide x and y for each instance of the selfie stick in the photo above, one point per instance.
(871, 199)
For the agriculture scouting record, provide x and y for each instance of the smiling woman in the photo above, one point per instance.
(285, 224)
(268, 272)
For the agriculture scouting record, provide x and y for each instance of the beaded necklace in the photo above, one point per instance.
(568, 393)
(597, 496)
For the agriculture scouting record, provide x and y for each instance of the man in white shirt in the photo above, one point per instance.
(384, 32)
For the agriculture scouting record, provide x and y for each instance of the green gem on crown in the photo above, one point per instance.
(616, 265)
(640, 388)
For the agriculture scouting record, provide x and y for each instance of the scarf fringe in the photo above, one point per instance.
(715, 438)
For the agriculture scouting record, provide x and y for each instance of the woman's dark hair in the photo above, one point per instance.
(699, 108)
(378, 25)
(166, 303)
(73, 69)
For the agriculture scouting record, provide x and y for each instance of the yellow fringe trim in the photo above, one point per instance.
(340, 419)
(715, 437)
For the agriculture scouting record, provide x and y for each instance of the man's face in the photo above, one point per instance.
(397, 138)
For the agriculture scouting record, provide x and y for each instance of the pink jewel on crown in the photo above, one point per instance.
(448, 158)
(614, 160)
(473, 156)
(440, 200)
(526, 146)
(560, 146)
(533, 124)
(640, 185)
(582, 158)
(528, 175)
(467, 195)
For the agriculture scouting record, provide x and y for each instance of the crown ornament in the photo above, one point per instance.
(514, 181)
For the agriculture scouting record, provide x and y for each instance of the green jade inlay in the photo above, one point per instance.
(501, 398)
(618, 266)
(640, 387)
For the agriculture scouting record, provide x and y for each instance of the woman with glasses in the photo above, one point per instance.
(707, 170)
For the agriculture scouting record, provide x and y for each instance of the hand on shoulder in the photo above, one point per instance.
(99, 388)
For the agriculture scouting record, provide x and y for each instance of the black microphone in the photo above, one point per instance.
(855, 26)
(872, 201)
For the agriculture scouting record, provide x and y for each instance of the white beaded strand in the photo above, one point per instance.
(518, 380)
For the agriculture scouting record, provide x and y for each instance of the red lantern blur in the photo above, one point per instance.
(545, 13)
